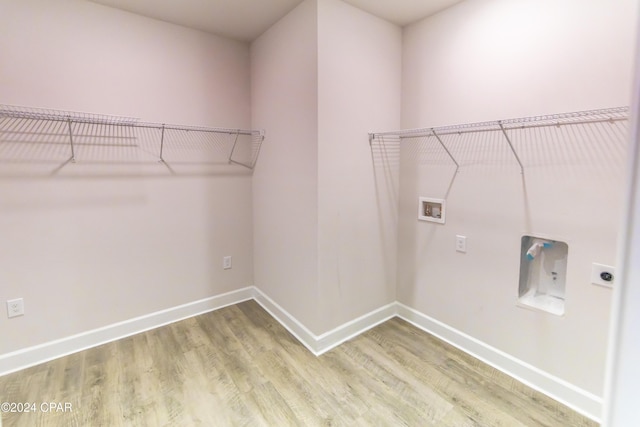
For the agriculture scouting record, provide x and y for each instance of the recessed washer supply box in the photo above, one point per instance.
(430, 209)
(543, 273)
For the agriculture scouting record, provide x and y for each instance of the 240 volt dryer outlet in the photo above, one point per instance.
(603, 275)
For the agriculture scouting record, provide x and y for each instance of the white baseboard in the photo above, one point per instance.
(45, 352)
(355, 327)
(580, 400)
(290, 323)
(564, 392)
(319, 344)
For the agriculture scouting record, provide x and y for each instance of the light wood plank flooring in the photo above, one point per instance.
(238, 366)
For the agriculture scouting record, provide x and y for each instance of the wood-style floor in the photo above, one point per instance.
(238, 366)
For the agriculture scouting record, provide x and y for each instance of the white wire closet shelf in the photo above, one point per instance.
(507, 128)
(49, 141)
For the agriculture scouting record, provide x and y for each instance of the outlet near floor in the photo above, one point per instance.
(15, 307)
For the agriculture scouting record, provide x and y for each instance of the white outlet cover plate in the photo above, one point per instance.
(597, 269)
(226, 262)
(461, 243)
(15, 307)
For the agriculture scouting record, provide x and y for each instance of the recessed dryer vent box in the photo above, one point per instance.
(431, 210)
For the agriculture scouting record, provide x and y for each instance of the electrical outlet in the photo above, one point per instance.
(15, 307)
(226, 262)
(602, 275)
(461, 243)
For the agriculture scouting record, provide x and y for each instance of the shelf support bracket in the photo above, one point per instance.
(504, 132)
(446, 149)
(162, 143)
(233, 148)
(73, 154)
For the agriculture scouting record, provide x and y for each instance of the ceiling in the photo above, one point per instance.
(247, 19)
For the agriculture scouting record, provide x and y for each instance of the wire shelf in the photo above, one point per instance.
(507, 127)
(32, 113)
(43, 137)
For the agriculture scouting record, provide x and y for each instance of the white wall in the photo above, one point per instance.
(324, 213)
(623, 371)
(285, 183)
(484, 60)
(494, 59)
(86, 253)
(359, 77)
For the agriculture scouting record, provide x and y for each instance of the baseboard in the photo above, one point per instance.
(319, 344)
(45, 352)
(355, 327)
(579, 400)
(564, 392)
(290, 323)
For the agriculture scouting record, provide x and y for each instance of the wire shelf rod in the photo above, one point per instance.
(579, 118)
(576, 118)
(229, 131)
(419, 133)
(29, 126)
(29, 113)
